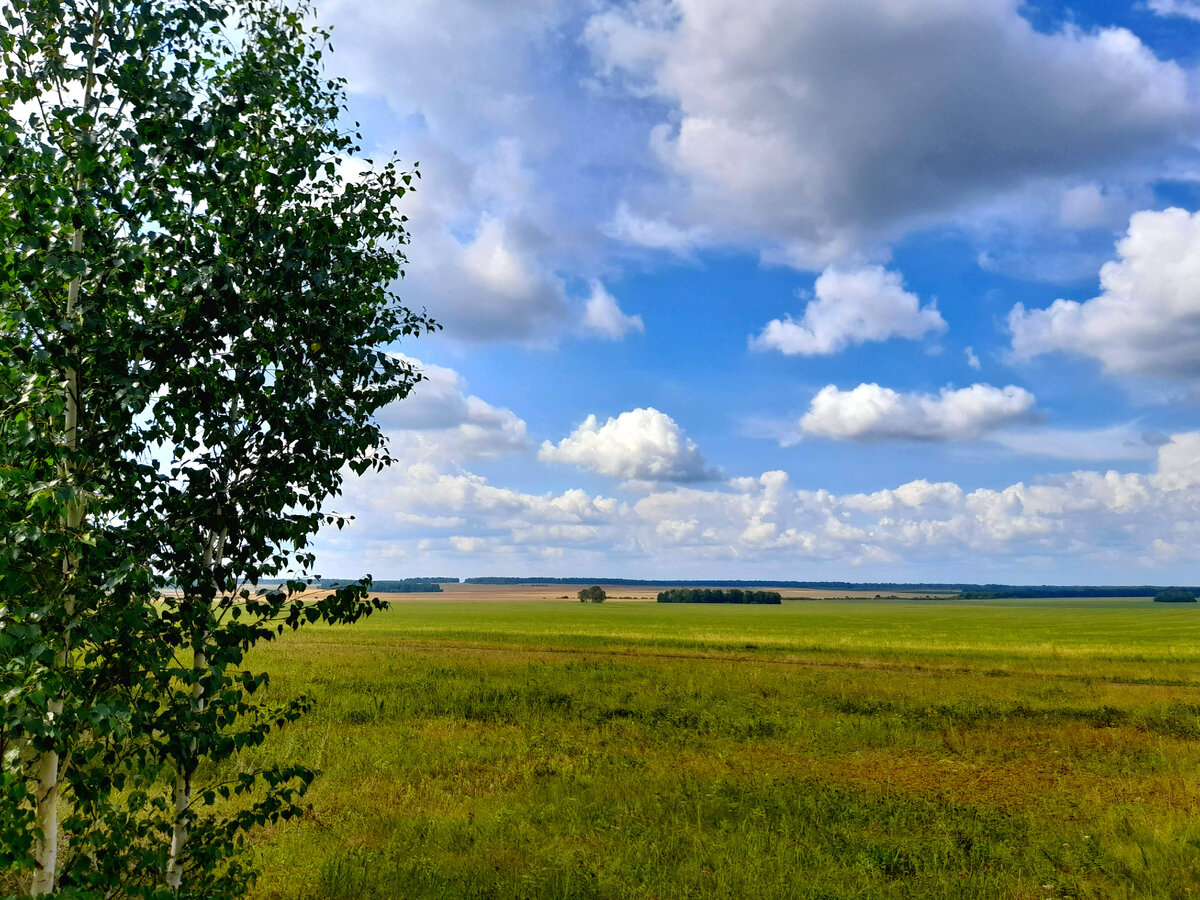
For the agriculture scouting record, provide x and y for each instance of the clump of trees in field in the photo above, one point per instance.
(403, 586)
(593, 594)
(713, 595)
(1175, 595)
(406, 587)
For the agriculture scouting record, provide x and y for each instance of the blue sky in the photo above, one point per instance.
(858, 289)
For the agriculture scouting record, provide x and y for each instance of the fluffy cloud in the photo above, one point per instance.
(423, 490)
(1179, 462)
(461, 65)
(440, 420)
(602, 316)
(1085, 526)
(478, 263)
(639, 445)
(452, 73)
(483, 259)
(1146, 319)
(873, 413)
(653, 234)
(1108, 520)
(1188, 9)
(808, 129)
(851, 307)
(734, 123)
(407, 516)
(498, 289)
(489, 279)
(504, 215)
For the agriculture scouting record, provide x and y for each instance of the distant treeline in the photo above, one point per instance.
(336, 582)
(717, 583)
(406, 587)
(732, 595)
(390, 586)
(967, 591)
(1001, 592)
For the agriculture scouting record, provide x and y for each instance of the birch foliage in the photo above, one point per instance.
(194, 311)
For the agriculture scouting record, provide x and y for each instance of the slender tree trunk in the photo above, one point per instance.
(49, 770)
(183, 781)
(186, 767)
(46, 821)
(45, 847)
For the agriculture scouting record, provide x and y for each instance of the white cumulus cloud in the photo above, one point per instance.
(807, 126)
(851, 306)
(639, 445)
(1083, 526)
(505, 214)
(1146, 319)
(441, 420)
(873, 413)
(1187, 9)
(651, 233)
(602, 316)
(481, 273)
(807, 137)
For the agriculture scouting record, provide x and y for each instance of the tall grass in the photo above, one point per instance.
(831, 750)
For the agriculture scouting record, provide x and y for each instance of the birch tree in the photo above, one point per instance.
(74, 600)
(195, 315)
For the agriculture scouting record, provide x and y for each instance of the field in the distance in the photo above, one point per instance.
(540, 748)
(616, 592)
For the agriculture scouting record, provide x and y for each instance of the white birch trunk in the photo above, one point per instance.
(45, 847)
(183, 775)
(46, 820)
(50, 772)
(183, 785)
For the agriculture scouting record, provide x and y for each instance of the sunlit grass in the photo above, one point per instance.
(892, 749)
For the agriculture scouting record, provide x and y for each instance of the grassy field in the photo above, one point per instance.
(848, 749)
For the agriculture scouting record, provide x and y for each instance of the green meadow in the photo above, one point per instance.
(818, 749)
